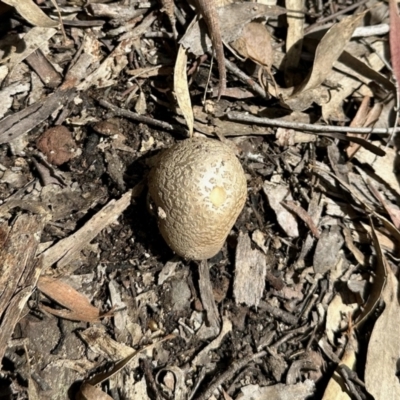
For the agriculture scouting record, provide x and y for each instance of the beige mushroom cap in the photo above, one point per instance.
(199, 188)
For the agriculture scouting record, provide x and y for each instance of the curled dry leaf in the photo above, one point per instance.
(233, 18)
(327, 53)
(255, 43)
(174, 379)
(32, 13)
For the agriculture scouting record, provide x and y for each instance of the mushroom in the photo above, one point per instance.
(198, 188)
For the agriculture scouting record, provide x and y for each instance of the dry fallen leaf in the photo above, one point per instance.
(358, 120)
(181, 88)
(174, 380)
(286, 219)
(381, 371)
(89, 392)
(233, 18)
(384, 167)
(329, 50)
(79, 307)
(32, 13)
(255, 43)
(337, 316)
(95, 380)
(335, 389)
(327, 53)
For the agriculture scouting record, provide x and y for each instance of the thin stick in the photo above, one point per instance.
(235, 116)
(230, 372)
(120, 112)
(230, 66)
(334, 15)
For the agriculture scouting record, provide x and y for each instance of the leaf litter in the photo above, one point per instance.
(302, 301)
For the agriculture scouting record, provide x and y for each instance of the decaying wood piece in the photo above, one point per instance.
(250, 272)
(45, 70)
(212, 327)
(63, 252)
(25, 120)
(327, 250)
(19, 270)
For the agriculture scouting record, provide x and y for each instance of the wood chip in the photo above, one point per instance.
(250, 272)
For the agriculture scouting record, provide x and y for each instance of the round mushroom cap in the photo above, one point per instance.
(199, 188)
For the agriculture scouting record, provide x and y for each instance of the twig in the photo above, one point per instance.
(235, 116)
(303, 214)
(347, 376)
(280, 314)
(245, 78)
(120, 112)
(290, 335)
(334, 15)
(372, 30)
(228, 374)
(148, 373)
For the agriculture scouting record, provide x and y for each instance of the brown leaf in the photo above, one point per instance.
(377, 289)
(233, 18)
(358, 120)
(255, 43)
(79, 307)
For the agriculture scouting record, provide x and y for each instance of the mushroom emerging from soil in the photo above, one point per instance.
(199, 188)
